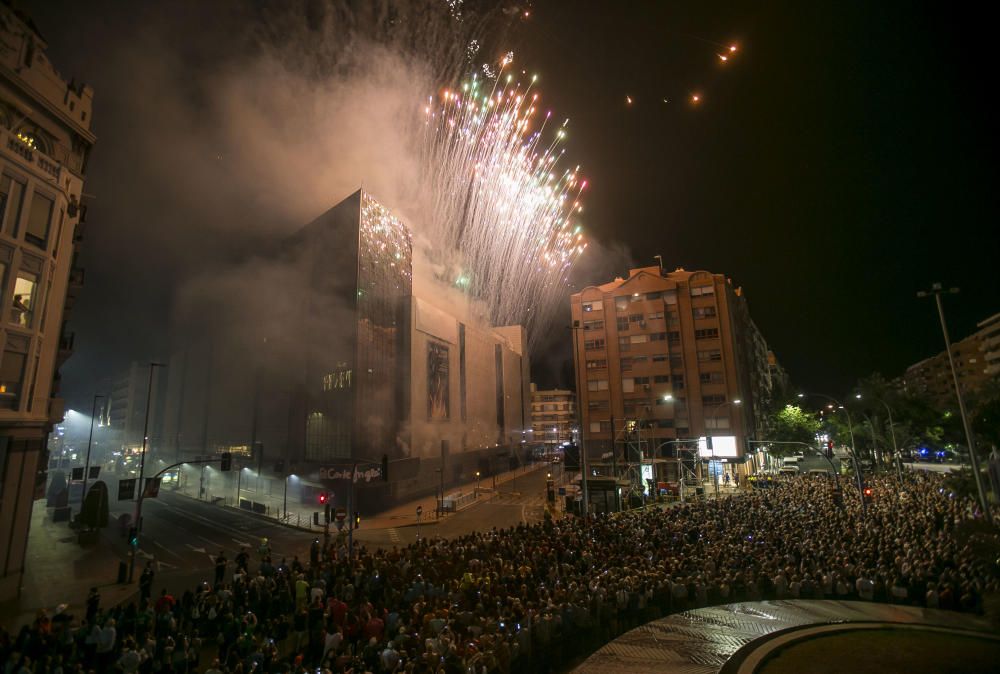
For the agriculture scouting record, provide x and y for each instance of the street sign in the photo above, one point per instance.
(341, 515)
(152, 488)
(126, 489)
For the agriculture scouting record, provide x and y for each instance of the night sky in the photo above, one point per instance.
(840, 161)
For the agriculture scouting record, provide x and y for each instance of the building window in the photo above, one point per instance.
(595, 364)
(12, 365)
(656, 315)
(597, 385)
(39, 220)
(703, 312)
(660, 358)
(628, 384)
(593, 344)
(677, 380)
(710, 377)
(635, 318)
(670, 297)
(622, 324)
(654, 296)
(706, 333)
(621, 303)
(714, 399)
(664, 423)
(593, 325)
(597, 405)
(11, 196)
(626, 364)
(22, 309)
(641, 380)
(600, 426)
(639, 360)
(638, 339)
(717, 422)
(593, 306)
(657, 336)
(697, 291)
(661, 379)
(623, 344)
(675, 361)
(709, 355)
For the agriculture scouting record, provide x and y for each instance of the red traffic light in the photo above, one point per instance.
(829, 445)
(322, 497)
(868, 491)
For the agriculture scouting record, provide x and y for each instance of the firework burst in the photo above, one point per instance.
(502, 201)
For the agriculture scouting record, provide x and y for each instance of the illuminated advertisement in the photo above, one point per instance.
(647, 477)
(723, 446)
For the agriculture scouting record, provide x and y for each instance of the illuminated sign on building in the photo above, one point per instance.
(723, 446)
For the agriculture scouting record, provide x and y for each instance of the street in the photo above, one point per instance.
(183, 535)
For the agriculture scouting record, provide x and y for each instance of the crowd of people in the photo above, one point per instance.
(531, 598)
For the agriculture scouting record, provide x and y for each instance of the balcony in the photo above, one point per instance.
(12, 145)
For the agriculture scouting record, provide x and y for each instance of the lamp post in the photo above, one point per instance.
(892, 434)
(854, 457)
(579, 419)
(142, 464)
(937, 290)
(90, 438)
(708, 440)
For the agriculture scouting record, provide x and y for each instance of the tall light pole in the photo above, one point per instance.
(142, 464)
(937, 291)
(579, 420)
(854, 456)
(90, 439)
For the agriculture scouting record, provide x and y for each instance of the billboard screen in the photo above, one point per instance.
(723, 447)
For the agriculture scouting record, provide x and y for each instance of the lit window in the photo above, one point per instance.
(22, 308)
(12, 364)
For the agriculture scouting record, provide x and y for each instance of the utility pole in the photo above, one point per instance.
(937, 291)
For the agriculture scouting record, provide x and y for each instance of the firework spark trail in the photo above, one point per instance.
(500, 200)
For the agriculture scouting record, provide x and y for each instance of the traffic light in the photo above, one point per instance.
(227, 462)
(829, 449)
(357, 519)
(322, 498)
(133, 537)
(868, 492)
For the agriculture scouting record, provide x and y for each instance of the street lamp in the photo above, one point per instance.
(90, 439)
(937, 290)
(579, 418)
(892, 434)
(142, 464)
(854, 457)
(708, 440)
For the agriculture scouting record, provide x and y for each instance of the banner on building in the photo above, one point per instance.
(438, 380)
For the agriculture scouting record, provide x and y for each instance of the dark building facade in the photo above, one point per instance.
(334, 359)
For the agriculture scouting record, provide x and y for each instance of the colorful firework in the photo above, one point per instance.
(501, 199)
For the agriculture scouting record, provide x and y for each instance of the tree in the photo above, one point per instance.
(791, 424)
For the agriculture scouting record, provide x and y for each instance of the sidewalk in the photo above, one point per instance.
(58, 570)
